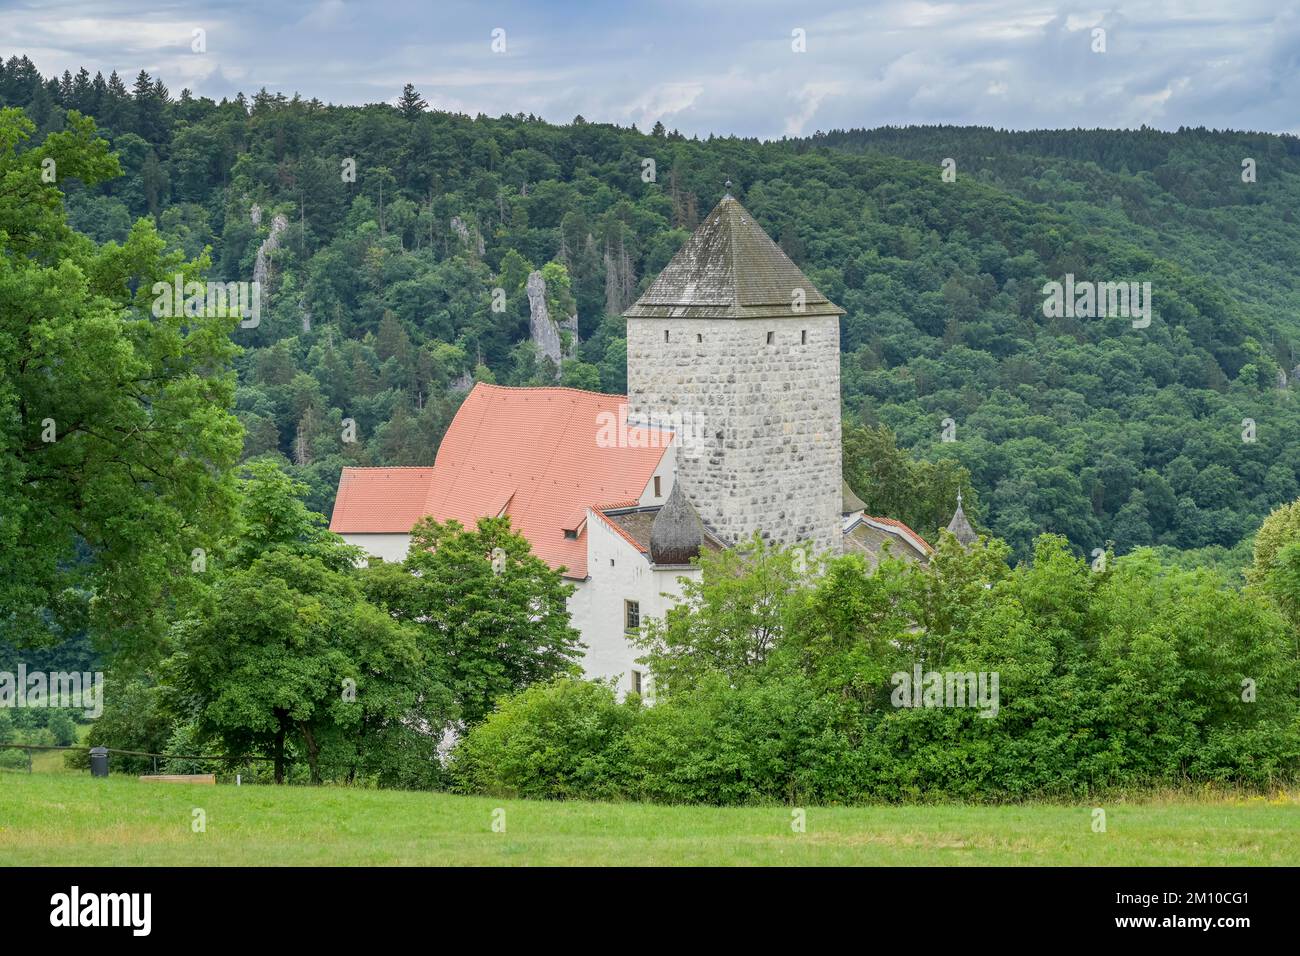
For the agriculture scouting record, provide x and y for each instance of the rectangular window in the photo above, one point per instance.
(665, 335)
(632, 615)
(803, 337)
(771, 338)
(636, 681)
(658, 493)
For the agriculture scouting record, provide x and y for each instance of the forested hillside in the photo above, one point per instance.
(379, 301)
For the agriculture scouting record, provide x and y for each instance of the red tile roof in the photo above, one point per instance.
(531, 451)
(380, 500)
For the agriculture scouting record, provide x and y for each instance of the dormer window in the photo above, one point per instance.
(571, 534)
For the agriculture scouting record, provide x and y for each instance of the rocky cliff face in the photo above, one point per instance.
(470, 238)
(545, 331)
(262, 268)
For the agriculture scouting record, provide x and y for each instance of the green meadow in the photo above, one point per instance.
(72, 820)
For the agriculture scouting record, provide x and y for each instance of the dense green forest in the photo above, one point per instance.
(379, 304)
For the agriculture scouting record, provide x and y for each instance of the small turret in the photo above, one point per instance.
(849, 502)
(676, 535)
(960, 526)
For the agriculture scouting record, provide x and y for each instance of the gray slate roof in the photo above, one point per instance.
(730, 269)
(849, 502)
(677, 533)
(960, 525)
(639, 523)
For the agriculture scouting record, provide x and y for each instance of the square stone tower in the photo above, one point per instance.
(734, 348)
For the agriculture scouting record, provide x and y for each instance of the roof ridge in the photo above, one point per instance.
(384, 467)
(900, 524)
(629, 503)
(731, 249)
(547, 388)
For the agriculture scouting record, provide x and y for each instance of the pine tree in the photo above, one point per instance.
(98, 95)
(82, 100)
(150, 98)
(411, 103)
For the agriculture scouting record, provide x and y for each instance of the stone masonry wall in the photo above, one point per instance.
(761, 444)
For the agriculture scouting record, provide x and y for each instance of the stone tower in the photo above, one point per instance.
(734, 348)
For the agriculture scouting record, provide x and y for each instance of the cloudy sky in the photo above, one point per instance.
(721, 66)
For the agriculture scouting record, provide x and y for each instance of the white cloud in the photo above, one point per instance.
(810, 98)
(662, 102)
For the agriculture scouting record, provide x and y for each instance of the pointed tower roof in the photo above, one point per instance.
(849, 502)
(677, 533)
(730, 269)
(960, 526)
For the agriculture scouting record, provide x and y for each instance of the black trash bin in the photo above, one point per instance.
(99, 761)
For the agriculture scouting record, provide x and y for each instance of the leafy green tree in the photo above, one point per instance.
(730, 618)
(115, 439)
(494, 615)
(1283, 585)
(134, 718)
(921, 494)
(284, 655)
(1280, 528)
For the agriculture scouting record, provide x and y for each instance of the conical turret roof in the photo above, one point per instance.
(677, 533)
(731, 269)
(960, 526)
(849, 502)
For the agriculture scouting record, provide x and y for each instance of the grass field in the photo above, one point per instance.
(70, 819)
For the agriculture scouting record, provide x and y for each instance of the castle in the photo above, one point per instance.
(731, 427)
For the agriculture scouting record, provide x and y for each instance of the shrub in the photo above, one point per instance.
(758, 742)
(63, 730)
(133, 719)
(1131, 676)
(553, 740)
